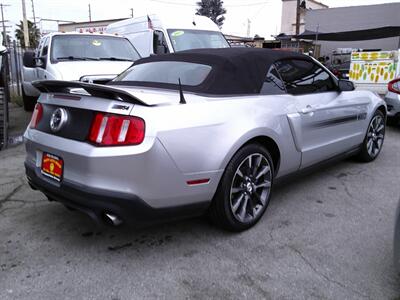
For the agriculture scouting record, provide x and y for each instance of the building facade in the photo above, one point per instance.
(93, 26)
(289, 8)
(353, 18)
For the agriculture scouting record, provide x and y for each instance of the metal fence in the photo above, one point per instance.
(10, 86)
(4, 99)
(15, 53)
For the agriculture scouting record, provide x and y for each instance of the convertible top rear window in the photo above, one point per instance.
(167, 72)
(224, 71)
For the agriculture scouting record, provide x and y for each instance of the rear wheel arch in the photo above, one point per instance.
(266, 142)
(269, 144)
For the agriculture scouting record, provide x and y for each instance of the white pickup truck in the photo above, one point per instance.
(86, 57)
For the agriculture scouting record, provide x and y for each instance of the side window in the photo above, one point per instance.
(273, 84)
(39, 48)
(160, 45)
(45, 48)
(304, 77)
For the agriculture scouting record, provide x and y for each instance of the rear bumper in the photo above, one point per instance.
(96, 202)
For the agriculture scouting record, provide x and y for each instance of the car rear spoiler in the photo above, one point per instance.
(95, 90)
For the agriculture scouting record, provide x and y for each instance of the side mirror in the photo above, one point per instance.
(28, 59)
(345, 85)
(40, 62)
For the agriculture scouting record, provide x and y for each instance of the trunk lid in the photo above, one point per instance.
(81, 101)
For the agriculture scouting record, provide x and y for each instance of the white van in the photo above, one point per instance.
(154, 34)
(87, 57)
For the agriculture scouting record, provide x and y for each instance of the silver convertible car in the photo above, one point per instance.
(199, 131)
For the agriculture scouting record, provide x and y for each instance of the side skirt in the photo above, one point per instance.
(316, 167)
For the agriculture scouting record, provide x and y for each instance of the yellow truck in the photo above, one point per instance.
(373, 70)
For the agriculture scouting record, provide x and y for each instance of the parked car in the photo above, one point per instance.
(341, 70)
(154, 34)
(75, 56)
(392, 100)
(206, 130)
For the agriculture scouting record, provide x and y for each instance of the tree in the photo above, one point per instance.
(34, 34)
(213, 9)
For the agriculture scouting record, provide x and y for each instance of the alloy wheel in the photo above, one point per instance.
(375, 135)
(251, 186)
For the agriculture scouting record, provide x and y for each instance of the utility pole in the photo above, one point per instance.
(25, 25)
(90, 13)
(33, 12)
(248, 27)
(298, 17)
(4, 25)
(315, 44)
(131, 12)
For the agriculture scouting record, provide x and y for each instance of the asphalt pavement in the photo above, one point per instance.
(327, 235)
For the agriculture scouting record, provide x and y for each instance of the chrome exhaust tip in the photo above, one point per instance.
(112, 219)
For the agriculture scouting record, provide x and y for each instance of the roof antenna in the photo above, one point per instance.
(182, 98)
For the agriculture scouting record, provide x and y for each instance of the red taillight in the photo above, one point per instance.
(36, 115)
(337, 73)
(394, 86)
(114, 130)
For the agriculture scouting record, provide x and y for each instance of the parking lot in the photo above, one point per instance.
(327, 235)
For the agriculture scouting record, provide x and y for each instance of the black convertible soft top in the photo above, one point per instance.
(234, 70)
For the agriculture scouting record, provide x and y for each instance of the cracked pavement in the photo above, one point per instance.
(327, 235)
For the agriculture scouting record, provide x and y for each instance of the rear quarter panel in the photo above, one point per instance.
(203, 135)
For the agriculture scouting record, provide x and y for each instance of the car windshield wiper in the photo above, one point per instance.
(76, 58)
(115, 58)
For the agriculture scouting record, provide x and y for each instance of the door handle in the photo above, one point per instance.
(308, 109)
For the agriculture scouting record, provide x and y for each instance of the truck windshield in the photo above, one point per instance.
(92, 47)
(183, 39)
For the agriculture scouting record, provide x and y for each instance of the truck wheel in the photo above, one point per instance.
(29, 102)
(245, 189)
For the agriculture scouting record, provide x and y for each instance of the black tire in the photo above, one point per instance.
(29, 102)
(222, 207)
(373, 141)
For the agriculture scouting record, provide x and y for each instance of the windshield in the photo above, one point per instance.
(195, 39)
(94, 47)
(167, 72)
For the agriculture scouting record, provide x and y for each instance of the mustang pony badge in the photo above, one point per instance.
(58, 119)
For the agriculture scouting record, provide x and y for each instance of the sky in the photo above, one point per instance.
(265, 15)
